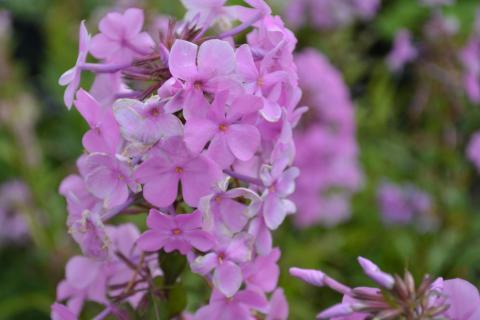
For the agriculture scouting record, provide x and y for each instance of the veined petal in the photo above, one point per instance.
(182, 60)
(228, 278)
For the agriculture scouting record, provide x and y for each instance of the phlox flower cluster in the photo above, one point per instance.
(329, 14)
(473, 150)
(15, 200)
(470, 58)
(403, 51)
(404, 204)
(397, 297)
(326, 145)
(195, 130)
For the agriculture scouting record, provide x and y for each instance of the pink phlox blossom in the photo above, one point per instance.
(205, 68)
(473, 150)
(121, 39)
(61, 312)
(225, 212)
(71, 77)
(225, 261)
(89, 232)
(181, 232)
(403, 51)
(229, 129)
(108, 178)
(279, 183)
(172, 164)
(263, 272)
(145, 122)
(236, 307)
(278, 307)
(104, 134)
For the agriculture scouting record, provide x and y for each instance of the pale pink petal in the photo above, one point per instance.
(160, 221)
(205, 264)
(273, 211)
(112, 25)
(463, 298)
(133, 20)
(245, 65)
(182, 60)
(151, 241)
(233, 214)
(200, 239)
(198, 179)
(189, 221)
(103, 47)
(88, 107)
(219, 151)
(252, 299)
(162, 191)
(142, 43)
(198, 132)
(243, 140)
(216, 57)
(75, 272)
(228, 278)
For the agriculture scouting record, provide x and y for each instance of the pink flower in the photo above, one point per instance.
(104, 134)
(473, 150)
(15, 200)
(470, 58)
(147, 122)
(205, 68)
(401, 204)
(232, 308)
(180, 232)
(121, 39)
(280, 183)
(225, 208)
(263, 81)
(61, 312)
(278, 308)
(230, 134)
(403, 51)
(105, 277)
(206, 12)
(325, 144)
(162, 173)
(263, 272)
(71, 77)
(80, 286)
(124, 240)
(89, 232)
(463, 299)
(107, 178)
(225, 260)
(78, 197)
(263, 237)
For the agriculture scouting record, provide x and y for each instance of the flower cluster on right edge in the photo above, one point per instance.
(397, 297)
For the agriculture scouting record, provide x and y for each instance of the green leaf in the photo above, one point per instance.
(172, 265)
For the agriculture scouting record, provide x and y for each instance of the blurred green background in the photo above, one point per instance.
(412, 126)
